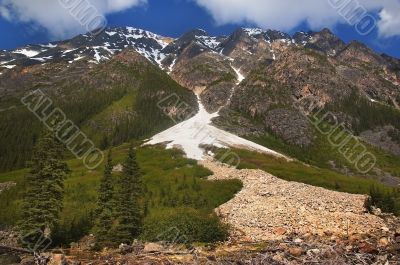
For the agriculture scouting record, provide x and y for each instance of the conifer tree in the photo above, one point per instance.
(129, 215)
(43, 198)
(104, 211)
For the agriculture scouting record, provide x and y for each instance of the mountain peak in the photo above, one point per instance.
(326, 31)
(253, 31)
(194, 32)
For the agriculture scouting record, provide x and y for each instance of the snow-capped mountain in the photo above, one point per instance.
(93, 48)
(160, 50)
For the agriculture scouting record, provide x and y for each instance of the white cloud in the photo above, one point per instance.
(58, 20)
(5, 13)
(119, 5)
(389, 24)
(287, 14)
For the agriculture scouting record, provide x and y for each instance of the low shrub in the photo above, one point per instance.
(183, 225)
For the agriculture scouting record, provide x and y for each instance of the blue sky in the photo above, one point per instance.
(37, 21)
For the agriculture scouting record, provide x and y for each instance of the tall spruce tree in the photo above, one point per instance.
(104, 209)
(43, 198)
(129, 214)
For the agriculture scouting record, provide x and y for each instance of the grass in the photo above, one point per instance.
(321, 153)
(171, 181)
(300, 172)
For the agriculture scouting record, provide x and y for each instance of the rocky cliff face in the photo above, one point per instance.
(206, 72)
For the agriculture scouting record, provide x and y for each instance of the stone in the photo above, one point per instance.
(349, 248)
(125, 249)
(354, 238)
(367, 248)
(278, 258)
(376, 211)
(118, 168)
(383, 242)
(280, 231)
(247, 239)
(312, 252)
(297, 240)
(296, 251)
(283, 246)
(152, 247)
(385, 229)
(6, 186)
(87, 242)
(27, 261)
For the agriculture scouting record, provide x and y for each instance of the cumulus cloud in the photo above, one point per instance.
(287, 14)
(119, 5)
(389, 24)
(62, 18)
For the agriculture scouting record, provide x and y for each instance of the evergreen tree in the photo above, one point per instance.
(104, 211)
(129, 215)
(43, 198)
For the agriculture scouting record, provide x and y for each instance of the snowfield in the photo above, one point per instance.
(197, 131)
(27, 53)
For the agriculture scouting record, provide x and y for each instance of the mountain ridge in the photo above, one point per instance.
(115, 39)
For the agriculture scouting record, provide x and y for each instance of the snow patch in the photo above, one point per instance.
(68, 51)
(77, 59)
(111, 33)
(6, 62)
(171, 67)
(9, 66)
(253, 31)
(48, 45)
(196, 131)
(139, 34)
(43, 59)
(26, 52)
(210, 42)
(240, 77)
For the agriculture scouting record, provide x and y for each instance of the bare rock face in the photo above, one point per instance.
(208, 72)
(292, 126)
(230, 120)
(323, 70)
(326, 42)
(268, 208)
(308, 73)
(387, 138)
(356, 52)
(248, 49)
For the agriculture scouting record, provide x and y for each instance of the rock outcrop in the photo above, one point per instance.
(6, 186)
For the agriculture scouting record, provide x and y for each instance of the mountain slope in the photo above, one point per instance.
(281, 72)
(89, 96)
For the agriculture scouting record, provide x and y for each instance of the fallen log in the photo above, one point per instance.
(7, 249)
